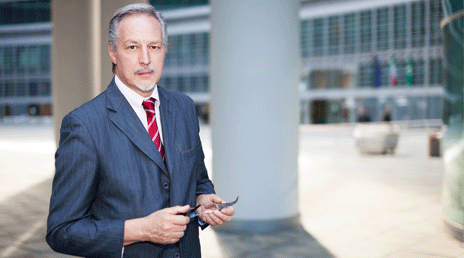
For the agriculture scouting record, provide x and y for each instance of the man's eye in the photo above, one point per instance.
(155, 47)
(131, 47)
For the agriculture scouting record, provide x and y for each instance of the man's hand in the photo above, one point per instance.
(163, 226)
(217, 217)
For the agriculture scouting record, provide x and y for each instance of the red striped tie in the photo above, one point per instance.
(149, 106)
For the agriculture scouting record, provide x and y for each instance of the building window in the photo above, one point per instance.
(318, 37)
(436, 15)
(187, 49)
(419, 72)
(417, 24)
(202, 53)
(33, 89)
(435, 67)
(366, 31)
(165, 82)
(350, 33)
(305, 37)
(2, 61)
(9, 89)
(182, 49)
(181, 84)
(27, 59)
(334, 35)
(172, 4)
(383, 29)
(385, 74)
(399, 21)
(9, 60)
(33, 53)
(20, 89)
(44, 89)
(366, 78)
(44, 53)
(401, 72)
(190, 84)
(21, 60)
(20, 12)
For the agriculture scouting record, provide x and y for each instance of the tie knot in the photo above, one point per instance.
(149, 104)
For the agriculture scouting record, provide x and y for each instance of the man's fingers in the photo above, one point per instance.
(177, 209)
(171, 215)
(229, 211)
(218, 217)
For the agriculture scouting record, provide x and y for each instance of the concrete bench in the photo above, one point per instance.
(381, 138)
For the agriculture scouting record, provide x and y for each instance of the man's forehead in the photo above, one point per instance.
(136, 18)
(138, 26)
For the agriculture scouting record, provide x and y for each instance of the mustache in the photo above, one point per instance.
(144, 69)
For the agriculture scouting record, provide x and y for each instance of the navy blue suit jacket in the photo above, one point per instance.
(108, 170)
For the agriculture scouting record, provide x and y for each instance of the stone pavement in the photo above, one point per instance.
(350, 205)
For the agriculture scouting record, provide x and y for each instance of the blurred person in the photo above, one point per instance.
(363, 116)
(386, 115)
(130, 162)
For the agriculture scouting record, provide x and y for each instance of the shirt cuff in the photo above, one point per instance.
(201, 222)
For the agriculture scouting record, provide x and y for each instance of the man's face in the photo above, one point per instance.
(140, 53)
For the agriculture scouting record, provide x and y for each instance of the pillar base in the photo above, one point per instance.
(260, 226)
(455, 229)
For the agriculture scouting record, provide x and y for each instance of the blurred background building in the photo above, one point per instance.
(357, 53)
(25, 42)
(372, 54)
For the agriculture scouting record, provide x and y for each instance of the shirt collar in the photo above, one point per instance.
(133, 97)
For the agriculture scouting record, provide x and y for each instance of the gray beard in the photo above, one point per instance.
(146, 88)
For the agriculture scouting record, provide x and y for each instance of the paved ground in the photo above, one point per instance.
(351, 205)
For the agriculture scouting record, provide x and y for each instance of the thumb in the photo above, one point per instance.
(217, 199)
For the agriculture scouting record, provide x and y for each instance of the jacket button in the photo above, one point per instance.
(177, 255)
(166, 186)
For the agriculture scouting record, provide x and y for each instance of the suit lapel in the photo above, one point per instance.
(127, 121)
(168, 122)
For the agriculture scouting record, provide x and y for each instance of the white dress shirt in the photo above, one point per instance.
(135, 100)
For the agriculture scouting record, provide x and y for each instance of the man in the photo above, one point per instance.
(130, 162)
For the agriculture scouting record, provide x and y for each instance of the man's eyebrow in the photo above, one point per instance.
(130, 42)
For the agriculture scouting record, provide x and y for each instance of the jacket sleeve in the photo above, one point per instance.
(71, 228)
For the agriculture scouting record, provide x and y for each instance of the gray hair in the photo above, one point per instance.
(113, 30)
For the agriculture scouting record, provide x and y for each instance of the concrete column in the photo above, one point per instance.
(81, 68)
(255, 67)
(453, 137)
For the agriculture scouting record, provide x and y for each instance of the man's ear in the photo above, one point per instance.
(112, 53)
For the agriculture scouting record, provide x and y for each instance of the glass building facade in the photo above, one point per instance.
(346, 51)
(22, 12)
(25, 58)
(175, 4)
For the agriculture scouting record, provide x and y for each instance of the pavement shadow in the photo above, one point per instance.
(23, 228)
(294, 242)
(23, 223)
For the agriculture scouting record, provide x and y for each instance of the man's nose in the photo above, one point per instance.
(144, 56)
